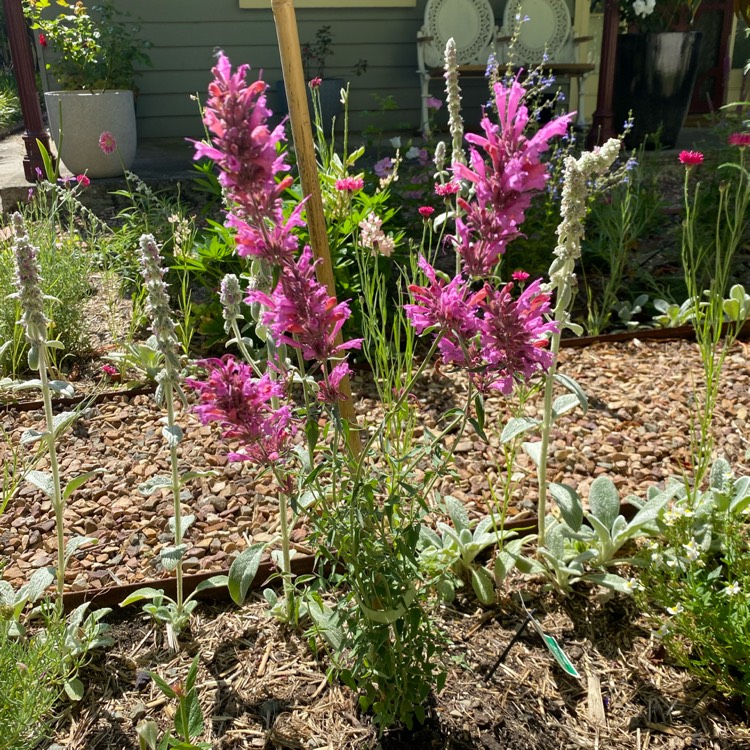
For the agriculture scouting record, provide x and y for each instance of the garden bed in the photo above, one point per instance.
(636, 430)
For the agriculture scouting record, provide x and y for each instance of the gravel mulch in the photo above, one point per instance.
(636, 430)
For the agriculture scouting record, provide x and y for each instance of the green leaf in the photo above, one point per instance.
(458, 514)
(158, 482)
(62, 421)
(483, 585)
(566, 402)
(215, 582)
(76, 482)
(188, 475)
(170, 556)
(148, 735)
(569, 383)
(533, 451)
(145, 593)
(173, 435)
(187, 522)
(243, 570)
(40, 580)
(62, 386)
(75, 543)
(604, 500)
(517, 426)
(569, 503)
(610, 581)
(43, 481)
(74, 689)
(162, 685)
(31, 436)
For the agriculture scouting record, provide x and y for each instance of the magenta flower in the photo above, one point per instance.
(243, 146)
(350, 184)
(691, 158)
(242, 405)
(83, 180)
(314, 83)
(434, 103)
(504, 176)
(300, 313)
(448, 308)
(426, 211)
(107, 143)
(739, 139)
(447, 188)
(514, 334)
(109, 370)
(519, 275)
(330, 388)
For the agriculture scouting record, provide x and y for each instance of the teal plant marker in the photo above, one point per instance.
(554, 648)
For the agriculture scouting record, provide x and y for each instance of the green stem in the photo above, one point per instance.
(286, 564)
(169, 396)
(57, 499)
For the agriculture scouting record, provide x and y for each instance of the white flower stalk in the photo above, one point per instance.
(31, 298)
(439, 158)
(578, 174)
(453, 99)
(230, 295)
(162, 325)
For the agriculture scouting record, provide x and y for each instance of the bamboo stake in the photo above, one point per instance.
(299, 116)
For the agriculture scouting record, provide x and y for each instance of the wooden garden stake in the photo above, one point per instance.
(299, 116)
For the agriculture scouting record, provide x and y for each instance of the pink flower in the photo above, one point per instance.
(42, 40)
(513, 335)
(109, 370)
(426, 211)
(504, 176)
(739, 139)
(243, 146)
(691, 158)
(519, 275)
(434, 103)
(242, 405)
(83, 180)
(350, 184)
(300, 313)
(314, 83)
(330, 387)
(384, 167)
(107, 143)
(447, 188)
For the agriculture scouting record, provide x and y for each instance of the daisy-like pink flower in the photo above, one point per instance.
(519, 275)
(107, 143)
(350, 184)
(109, 370)
(242, 405)
(83, 180)
(300, 313)
(384, 167)
(426, 211)
(314, 83)
(434, 103)
(447, 188)
(739, 139)
(691, 158)
(514, 335)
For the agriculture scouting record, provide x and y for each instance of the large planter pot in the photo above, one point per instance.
(654, 77)
(330, 99)
(81, 117)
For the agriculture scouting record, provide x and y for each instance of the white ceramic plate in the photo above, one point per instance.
(471, 23)
(547, 28)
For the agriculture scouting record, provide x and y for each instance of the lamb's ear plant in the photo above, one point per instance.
(174, 613)
(35, 324)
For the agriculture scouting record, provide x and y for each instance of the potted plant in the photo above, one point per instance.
(92, 55)
(655, 67)
(314, 59)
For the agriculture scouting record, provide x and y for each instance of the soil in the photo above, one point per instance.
(260, 686)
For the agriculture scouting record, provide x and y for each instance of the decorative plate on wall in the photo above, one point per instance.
(544, 26)
(471, 23)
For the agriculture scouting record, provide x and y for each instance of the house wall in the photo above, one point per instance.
(186, 33)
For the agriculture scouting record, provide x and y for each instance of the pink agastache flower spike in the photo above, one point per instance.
(242, 405)
(243, 146)
(514, 334)
(330, 388)
(504, 178)
(300, 313)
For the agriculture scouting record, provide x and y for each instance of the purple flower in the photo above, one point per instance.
(330, 388)
(504, 178)
(243, 145)
(514, 334)
(243, 407)
(300, 313)
(384, 167)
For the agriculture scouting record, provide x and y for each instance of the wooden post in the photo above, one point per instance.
(299, 116)
(23, 69)
(602, 126)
